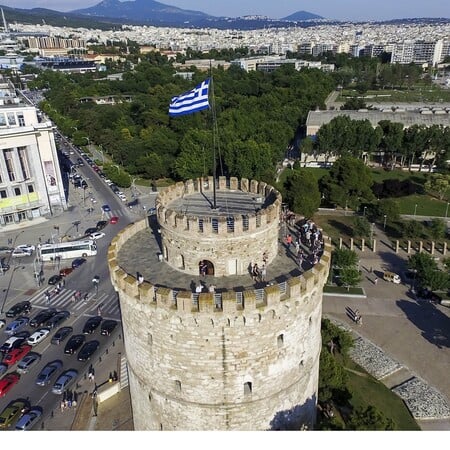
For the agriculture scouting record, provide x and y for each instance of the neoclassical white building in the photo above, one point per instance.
(30, 178)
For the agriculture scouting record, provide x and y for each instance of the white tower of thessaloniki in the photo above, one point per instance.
(242, 354)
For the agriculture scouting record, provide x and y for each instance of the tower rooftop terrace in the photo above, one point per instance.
(228, 203)
(140, 254)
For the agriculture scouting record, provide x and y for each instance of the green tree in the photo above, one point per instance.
(438, 228)
(390, 208)
(348, 183)
(332, 376)
(369, 419)
(361, 227)
(422, 262)
(435, 280)
(438, 183)
(302, 192)
(411, 229)
(350, 277)
(344, 258)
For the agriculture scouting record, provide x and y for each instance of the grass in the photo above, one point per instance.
(426, 206)
(417, 93)
(366, 391)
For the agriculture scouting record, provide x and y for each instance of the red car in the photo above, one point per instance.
(65, 271)
(16, 354)
(8, 382)
(114, 219)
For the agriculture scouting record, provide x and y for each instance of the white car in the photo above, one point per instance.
(38, 336)
(27, 247)
(97, 235)
(23, 250)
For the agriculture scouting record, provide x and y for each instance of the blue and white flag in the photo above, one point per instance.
(191, 101)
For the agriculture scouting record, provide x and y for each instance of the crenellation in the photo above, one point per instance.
(254, 186)
(234, 183)
(272, 295)
(222, 184)
(206, 303)
(245, 185)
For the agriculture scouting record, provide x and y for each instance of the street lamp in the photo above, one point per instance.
(415, 210)
(9, 286)
(446, 211)
(364, 211)
(384, 225)
(88, 141)
(100, 149)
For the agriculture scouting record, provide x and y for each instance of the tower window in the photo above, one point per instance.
(17, 191)
(280, 340)
(178, 385)
(247, 388)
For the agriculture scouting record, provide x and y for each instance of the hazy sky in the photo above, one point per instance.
(331, 9)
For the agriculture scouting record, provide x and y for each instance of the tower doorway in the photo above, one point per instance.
(206, 267)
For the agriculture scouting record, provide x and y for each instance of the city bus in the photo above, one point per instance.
(67, 250)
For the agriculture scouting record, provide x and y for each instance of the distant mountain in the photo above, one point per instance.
(143, 11)
(300, 16)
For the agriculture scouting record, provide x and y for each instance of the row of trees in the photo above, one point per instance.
(343, 136)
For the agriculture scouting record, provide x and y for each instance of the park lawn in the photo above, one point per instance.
(417, 93)
(426, 206)
(335, 226)
(379, 175)
(366, 391)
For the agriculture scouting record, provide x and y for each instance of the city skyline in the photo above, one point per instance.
(351, 10)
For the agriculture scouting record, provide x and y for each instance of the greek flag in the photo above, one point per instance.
(191, 101)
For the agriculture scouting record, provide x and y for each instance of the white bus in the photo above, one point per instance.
(67, 250)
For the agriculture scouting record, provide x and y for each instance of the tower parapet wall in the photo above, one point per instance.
(230, 242)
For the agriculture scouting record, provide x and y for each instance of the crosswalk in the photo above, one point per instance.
(123, 372)
(108, 304)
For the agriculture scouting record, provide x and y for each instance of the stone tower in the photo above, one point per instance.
(242, 357)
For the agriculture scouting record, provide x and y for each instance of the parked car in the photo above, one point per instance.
(16, 355)
(97, 235)
(106, 208)
(16, 325)
(3, 368)
(47, 373)
(12, 343)
(38, 336)
(65, 271)
(19, 308)
(65, 380)
(113, 220)
(12, 412)
(61, 335)
(91, 324)
(101, 224)
(88, 349)
(74, 343)
(54, 279)
(6, 250)
(2, 323)
(77, 262)
(56, 320)
(8, 382)
(23, 334)
(107, 327)
(90, 231)
(29, 419)
(28, 361)
(42, 317)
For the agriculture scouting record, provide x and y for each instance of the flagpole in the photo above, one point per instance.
(213, 112)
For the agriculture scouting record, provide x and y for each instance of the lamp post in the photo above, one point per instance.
(364, 211)
(415, 210)
(384, 224)
(371, 232)
(88, 141)
(446, 211)
(100, 149)
(9, 286)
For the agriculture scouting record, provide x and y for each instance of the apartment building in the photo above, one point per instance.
(31, 184)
